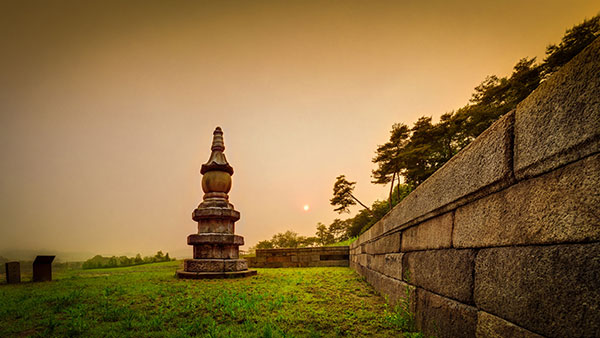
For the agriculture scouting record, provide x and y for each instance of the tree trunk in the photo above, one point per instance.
(359, 202)
(392, 189)
(398, 187)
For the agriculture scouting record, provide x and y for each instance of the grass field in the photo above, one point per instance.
(148, 301)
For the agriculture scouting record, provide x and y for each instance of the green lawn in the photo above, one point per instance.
(148, 301)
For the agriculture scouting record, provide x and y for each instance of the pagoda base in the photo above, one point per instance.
(210, 275)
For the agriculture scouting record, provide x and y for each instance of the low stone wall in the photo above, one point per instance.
(300, 257)
(504, 240)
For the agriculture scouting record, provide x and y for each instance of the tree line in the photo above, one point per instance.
(412, 154)
(99, 261)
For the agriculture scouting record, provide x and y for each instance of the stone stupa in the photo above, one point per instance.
(216, 246)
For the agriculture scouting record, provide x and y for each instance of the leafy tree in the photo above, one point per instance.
(266, 244)
(389, 158)
(573, 42)
(323, 235)
(342, 195)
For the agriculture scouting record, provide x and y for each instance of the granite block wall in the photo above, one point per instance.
(300, 257)
(504, 240)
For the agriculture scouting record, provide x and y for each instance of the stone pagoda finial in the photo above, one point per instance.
(217, 160)
(216, 246)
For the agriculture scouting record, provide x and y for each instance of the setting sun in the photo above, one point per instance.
(306, 207)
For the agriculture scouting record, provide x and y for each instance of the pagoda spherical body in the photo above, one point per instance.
(216, 181)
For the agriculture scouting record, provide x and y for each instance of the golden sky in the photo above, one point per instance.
(107, 107)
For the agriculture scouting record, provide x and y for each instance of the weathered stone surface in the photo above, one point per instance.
(446, 272)
(203, 265)
(393, 289)
(435, 233)
(442, 317)
(279, 259)
(304, 257)
(490, 326)
(13, 272)
(215, 251)
(552, 290)
(560, 206)
(483, 166)
(364, 259)
(214, 265)
(393, 265)
(560, 121)
(215, 238)
(377, 263)
(235, 265)
(386, 244)
(210, 275)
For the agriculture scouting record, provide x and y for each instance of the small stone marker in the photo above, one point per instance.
(216, 246)
(42, 268)
(13, 272)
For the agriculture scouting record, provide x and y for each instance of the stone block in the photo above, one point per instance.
(442, 317)
(281, 259)
(235, 265)
(215, 238)
(482, 167)
(393, 265)
(435, 233)
(490, 326)
(392, 289)
(364, 259)
(203, 265)
(386, 244)
(557, 207)
(377, 263)
(552, 290)
(215, 251)
(13, 272)
(560, 121)
(447, 272)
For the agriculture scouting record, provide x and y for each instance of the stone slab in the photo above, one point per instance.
(210, 275)
(215, 238)
(392, 289)
(386, 244)
(560, 121)
(435, 233)
(279, 259)
(393, 265)
(557, 207)
(214, 265)
(490, 326)
(441, 317)
(377, 263)
(216, 251)
(13, 272)
(552, 290)
(482, 167)
(447, 272)
(364, 259)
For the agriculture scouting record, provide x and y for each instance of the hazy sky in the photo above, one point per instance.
(107, 108)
